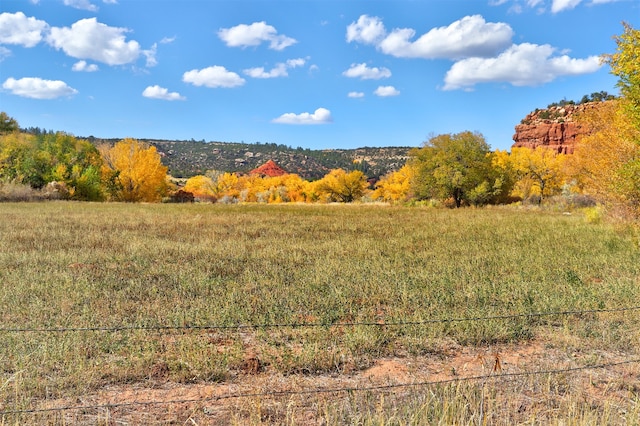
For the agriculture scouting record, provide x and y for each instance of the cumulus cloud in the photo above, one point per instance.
(470, 36)
(385, 91)
(81, 4)
(253, 35)
(521, 65)
(84, 66)
(280, 70)
(367, 30)
(320, 116)
(37, 88)
(355, 95)
(16, 28)
(213, 77)
(363, 72)
(90, 39)
(157, 92)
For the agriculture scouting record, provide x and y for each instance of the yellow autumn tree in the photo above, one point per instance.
(228, 187)
(539, 172)
(202, 187)
(133, 171)
(395, 186)
(340, 186)
(600, 163)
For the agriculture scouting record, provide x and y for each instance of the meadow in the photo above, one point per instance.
(100, 302)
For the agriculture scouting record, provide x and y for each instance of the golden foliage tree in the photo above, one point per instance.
(625, 64)
(134, 172)
(395, 186)
(340, 186)
(603, 162)
(539, 172)
(202, 187)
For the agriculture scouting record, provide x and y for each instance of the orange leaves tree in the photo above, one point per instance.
(133, 172)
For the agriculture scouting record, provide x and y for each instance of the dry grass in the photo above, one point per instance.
(66, 264)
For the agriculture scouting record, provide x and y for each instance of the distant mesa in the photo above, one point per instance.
(553, 128)
(269, 169)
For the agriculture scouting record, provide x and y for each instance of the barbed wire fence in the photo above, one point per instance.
(494, 375)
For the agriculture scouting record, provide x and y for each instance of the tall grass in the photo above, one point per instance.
(71, 265)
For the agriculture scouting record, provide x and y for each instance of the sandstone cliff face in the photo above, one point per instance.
(553, 128)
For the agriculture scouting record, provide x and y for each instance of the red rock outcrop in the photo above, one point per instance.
(270, 168)
(553, 128)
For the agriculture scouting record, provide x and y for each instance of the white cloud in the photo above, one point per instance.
(215, 76)
(16, 28)
(541, 5)
(150, 54)
(110, 1)
(90, 39)
(385, 91)
(83, 66)
(560, 5)
(253, 35)
(157, 92)
(81, 4)
(355, 95)
(320, 116)
(280, 70)
(37, 88)
(368, 30)
(4, 53)
(298, 62)
(521, 65)
(167, 40)
(365, 73)
(470, 36)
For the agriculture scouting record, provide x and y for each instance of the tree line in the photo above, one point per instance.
(455, 169)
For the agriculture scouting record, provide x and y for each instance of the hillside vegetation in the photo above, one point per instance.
(190, 158)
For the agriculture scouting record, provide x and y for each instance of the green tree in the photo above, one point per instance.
(21, 160)
(7, 124)
(457, 167)
(76, 162)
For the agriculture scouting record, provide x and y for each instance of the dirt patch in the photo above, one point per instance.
(272, 395)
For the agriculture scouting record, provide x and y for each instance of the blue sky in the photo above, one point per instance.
(307, 73)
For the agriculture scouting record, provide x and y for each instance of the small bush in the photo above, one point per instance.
(593, 214)
(18, 192)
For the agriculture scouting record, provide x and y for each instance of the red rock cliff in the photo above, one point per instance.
(553, 128)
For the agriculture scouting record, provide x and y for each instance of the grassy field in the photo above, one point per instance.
(134, 266)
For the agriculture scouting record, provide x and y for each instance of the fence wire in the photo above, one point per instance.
(161, 328)
(275, 394)
(205, 327)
